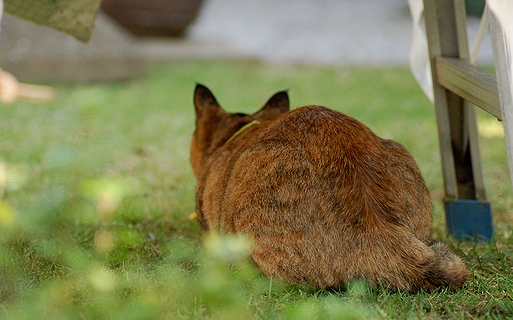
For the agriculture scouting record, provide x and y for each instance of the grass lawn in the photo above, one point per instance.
(94, 212)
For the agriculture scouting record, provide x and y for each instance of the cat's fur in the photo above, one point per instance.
(324, 199)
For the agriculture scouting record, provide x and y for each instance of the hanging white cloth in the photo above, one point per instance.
(419, 54)
(503, 12)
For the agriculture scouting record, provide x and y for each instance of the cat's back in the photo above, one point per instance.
(314, 156)
(321, 134)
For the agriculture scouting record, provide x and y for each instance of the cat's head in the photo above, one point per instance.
(214, 126)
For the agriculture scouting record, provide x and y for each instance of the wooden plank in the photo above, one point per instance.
(434, 34)
(475, 152)
(457, 126)
(502, 54)
(470, 82)
(457, 129)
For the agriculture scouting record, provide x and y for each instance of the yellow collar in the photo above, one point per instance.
(241, 130)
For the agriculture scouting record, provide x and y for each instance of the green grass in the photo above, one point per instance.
(94, 214)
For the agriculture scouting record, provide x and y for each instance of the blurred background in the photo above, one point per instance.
(131, 33)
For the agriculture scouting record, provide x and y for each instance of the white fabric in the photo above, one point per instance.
(503, 12)
(419, 54)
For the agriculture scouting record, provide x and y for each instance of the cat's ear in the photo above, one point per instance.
(204, 100)
(277, 105)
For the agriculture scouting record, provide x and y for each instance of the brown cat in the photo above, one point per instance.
(324, 199)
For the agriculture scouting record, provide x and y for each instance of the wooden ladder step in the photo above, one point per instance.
(472, 83)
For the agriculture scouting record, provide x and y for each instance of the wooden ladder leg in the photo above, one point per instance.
(468, 213)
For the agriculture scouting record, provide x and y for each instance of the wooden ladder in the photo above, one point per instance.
(458, 87)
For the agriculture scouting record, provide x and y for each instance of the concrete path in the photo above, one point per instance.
(370, 32)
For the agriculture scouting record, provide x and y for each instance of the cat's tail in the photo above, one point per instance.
(447, 269)
(410, 264)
